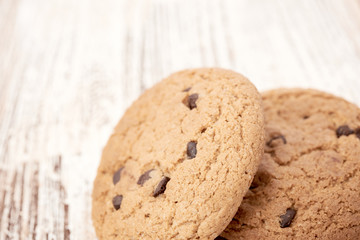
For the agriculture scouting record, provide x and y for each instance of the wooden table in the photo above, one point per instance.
(69, 69)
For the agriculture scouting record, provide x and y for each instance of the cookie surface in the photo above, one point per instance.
(181, 158)
(308, 183)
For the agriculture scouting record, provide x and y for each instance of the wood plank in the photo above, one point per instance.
(69, 69)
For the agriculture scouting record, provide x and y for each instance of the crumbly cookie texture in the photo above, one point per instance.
(181, 159)
(308, 183)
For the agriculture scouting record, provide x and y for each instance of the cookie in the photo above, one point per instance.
(180, 159)
(308, 183)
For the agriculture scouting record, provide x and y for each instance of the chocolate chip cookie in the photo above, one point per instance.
(308, 183)
(181, 158)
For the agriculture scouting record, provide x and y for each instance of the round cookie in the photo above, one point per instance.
(181, 158)
(308, 183)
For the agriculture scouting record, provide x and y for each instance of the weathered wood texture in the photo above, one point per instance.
(68, 70)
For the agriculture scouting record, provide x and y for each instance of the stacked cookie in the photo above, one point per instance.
(193, 158)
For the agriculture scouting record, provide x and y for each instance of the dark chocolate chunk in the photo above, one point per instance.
(344, 130)
(161, 187)
(117, 201)
(187, 89)
(357, 132)
(144, 177)
(192, 100)
(269, 143)
(116, 176)
(285, 220)
(191, 150)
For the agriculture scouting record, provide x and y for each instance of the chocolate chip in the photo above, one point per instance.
(269, 143)
(187, 89)
(220, 238)
(253, 185)
(144, 177)
(191, 150)
(235, 220)
(357, 132)
(192, 100)
(117, 201)
(161, 187)
(344, 130)
(285, 220)
(116, 176)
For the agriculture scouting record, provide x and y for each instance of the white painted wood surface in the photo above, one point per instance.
(69, 69)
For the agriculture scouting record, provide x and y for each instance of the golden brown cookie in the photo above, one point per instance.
(308, 184)
(181, 159)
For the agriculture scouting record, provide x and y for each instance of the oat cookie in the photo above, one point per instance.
(181, 159)
(308, 183)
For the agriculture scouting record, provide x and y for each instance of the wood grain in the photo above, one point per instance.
(69, 69)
